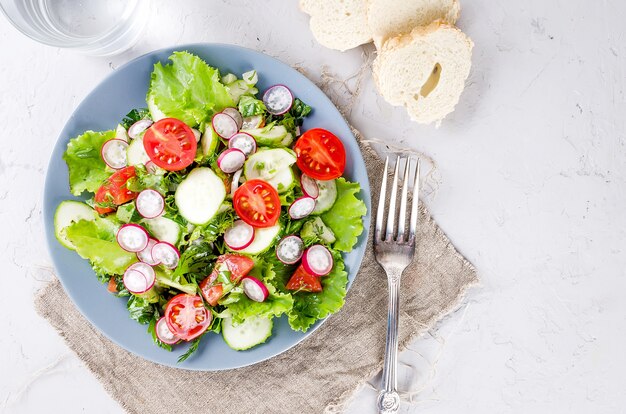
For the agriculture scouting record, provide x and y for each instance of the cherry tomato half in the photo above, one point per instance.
(114, 191)
(321, 154)
(170, 144)
(186, 316)
(257, 203)
(304, 281)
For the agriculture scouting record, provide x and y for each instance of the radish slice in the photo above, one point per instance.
(196, 134)
(302, 207)
(235, 114)
(244, 142)
(317, 260)
(138, 127)
(166, 254)
(254, 289)
(113, 153)
(239, 236)
(234, 185)
(231, 160)
(252, 122)
(152, 168)
(150, 203)
(120, 133)
(164, 333)
(139, 278)
(309, 186)
(146, 254)
(224, 125)
(290, 249)
(132, 238)
(278, 99)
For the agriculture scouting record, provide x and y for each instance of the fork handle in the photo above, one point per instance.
(388, 399)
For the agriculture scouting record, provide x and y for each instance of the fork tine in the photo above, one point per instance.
(380, 213)
(416, 192)
(403, 200)
(391, 217)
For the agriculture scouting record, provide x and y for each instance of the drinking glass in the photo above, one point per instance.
(93, 27)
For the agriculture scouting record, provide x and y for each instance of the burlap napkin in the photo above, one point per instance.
(329, 365)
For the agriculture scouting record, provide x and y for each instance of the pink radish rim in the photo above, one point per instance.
(138, 254)
(102, 150)
(117, 237)
(226, 153)
(233, 140)
(299, 200)
(214, 129)
(311, 182)
(156, 330)
(139, 209)
(278, 247)
(136, 267)
(131, 129)
(244, 245)
(155, 258)
(240, 117)
(308, 268)
(258, 284)
(276, 86)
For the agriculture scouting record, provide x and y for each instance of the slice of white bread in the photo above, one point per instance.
(425, 70)
(389, 18)
(338, 24)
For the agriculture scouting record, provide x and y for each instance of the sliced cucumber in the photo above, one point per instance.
(136, 153)
(283, 181)
(69, 212)
(228, 78)
(316, 227)
(251, 332)
(155, 112)
(287, 140)
(264, 238)
(327, 197)
(270, 163)
(238, 88)
(164, 229)
(209, 141)
(271, 135)
(200, 195)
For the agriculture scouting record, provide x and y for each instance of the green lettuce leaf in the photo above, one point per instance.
(86, 167)
(95, 241)
(240, 307)
(188, 89)
(345, 217)
(309, 307)
(250, 106)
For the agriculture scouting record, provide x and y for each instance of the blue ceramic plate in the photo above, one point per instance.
(101, 110)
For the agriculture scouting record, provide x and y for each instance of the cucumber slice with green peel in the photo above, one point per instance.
(287, 140)
(209, 141)
(200, 195)
(271, 135)
(69, 212)
(315, 227)
(327, 197)
(164, 229)
(267, 163)
(251, 332)
(283, 181)
(264, 238)
(136, 153)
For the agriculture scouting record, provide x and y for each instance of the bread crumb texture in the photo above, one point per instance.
(338, 24)
(425, 70)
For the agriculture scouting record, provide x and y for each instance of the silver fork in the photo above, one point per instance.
(394, 251)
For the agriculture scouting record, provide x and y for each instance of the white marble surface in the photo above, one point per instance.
(532, 190)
